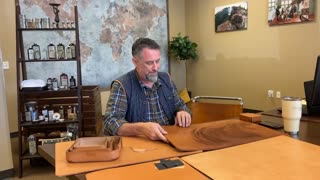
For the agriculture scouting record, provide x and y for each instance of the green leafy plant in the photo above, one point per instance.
(182, 48)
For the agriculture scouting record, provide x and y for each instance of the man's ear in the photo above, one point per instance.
(135, 61)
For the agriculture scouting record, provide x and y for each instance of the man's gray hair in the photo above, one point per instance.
(142, 43)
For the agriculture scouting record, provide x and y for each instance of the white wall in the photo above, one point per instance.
(250, 62)
(5, 144)
(177, 24)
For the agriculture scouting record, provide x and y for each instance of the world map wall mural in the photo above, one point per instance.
(107, 28)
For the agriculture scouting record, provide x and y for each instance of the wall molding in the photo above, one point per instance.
(7, 173)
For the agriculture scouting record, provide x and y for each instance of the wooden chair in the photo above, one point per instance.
(213, 108)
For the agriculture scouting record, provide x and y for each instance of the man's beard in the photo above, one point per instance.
(152, 78)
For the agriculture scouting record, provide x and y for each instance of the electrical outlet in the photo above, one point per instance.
(278, 94)
(270, 93)
(5, 65)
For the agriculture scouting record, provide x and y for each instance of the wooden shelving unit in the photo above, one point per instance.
(42, 97)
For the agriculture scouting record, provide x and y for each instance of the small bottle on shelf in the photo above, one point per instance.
(54, 25)
(69, 112)
(49, 84)
(55, 86)
(61, 112)
(75, 109)
(50, 114)
(74, 112)
(34, 115)
(45, 22)
(32, 144)
(30, 53)
(30, 23)
(72, 24)
(64, 81)
(63, 24)
(44, 53)
(45, 113)
(73, 50)
(37, 22)
(28, 115)
(22, 20)
(68, 24)
(68, 53)
(37, 53)
(60, 51)
(73, 84)
(51, 51)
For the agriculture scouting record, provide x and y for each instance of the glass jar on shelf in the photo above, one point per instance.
(32, 144)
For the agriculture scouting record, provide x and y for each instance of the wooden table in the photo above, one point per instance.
(307, 118)
(309, 132)
(47, 151)
(276, 158)
(147, 171)
(309, 126)
(134, 150)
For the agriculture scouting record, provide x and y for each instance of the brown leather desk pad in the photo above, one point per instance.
(276, 158)
(135, 150)
(217, 135)
(147, 171)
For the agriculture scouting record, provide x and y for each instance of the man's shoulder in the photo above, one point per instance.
(125, 76)
(120, 81)
(164, 75)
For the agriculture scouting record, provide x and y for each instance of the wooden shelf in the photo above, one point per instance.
(43, 123)
(43, 97)
(64, 92)
(46, 60)
(46, 29)
(27, 155)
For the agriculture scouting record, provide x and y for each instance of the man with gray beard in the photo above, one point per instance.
(144, 99)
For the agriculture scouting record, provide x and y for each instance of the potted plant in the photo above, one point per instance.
(182, 48)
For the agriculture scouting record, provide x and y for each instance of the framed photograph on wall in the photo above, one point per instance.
(291, 11)
(231, 17)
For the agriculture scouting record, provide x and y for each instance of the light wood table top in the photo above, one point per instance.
(279, 157)
(147, 171)
(135, 150)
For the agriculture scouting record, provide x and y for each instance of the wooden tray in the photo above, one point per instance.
(216, 135)
(94, 149)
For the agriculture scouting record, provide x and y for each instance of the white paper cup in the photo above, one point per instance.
(291, 114)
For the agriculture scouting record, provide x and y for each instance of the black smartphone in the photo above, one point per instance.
(271, 124)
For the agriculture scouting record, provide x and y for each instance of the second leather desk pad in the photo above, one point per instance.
(277, 158)
(147, 171)
(217, 135)
(134, 150)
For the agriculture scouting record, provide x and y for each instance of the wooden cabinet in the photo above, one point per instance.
(54, 99)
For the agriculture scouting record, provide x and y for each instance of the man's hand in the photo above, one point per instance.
(183, 119)
(153, 131)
